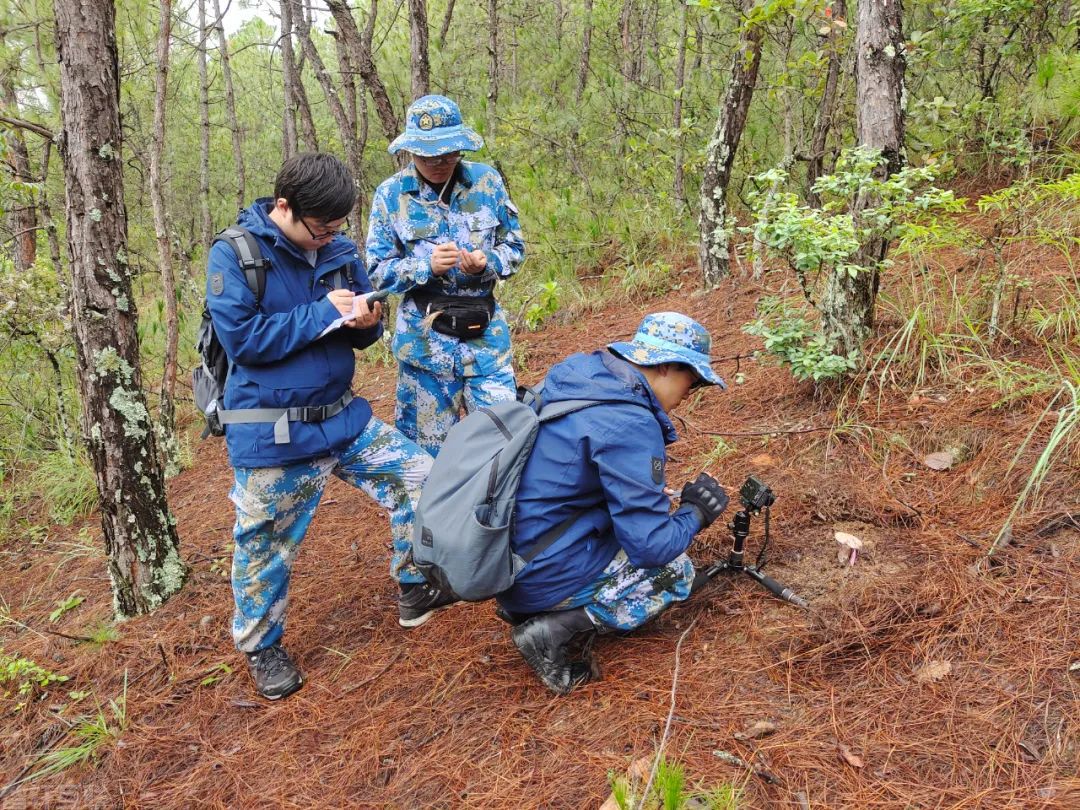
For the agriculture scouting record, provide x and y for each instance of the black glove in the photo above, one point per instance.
(706, 496)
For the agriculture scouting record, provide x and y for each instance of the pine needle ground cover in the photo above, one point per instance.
(927, 673)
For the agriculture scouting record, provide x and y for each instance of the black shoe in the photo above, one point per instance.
(274, 673)
(513, 619)
(419, 602)
(542, 642)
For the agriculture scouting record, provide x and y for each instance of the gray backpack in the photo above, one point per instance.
(461, 534)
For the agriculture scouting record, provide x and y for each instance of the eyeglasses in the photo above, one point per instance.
(440, 160)
(699, 381)
(318, 237)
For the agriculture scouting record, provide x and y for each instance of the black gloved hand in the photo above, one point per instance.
(706, 496)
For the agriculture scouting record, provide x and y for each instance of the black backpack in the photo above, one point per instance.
(208, 378)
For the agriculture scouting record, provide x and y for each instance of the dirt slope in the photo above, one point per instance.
(918, 679)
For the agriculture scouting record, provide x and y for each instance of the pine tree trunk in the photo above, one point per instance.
(493, 71)
(847, 304)
(348, 81)
(333, 101)
(140, 535)
(206, 220)
(50, 224)
(230, 110)
(446, 23)
(823, 122)
(418, 48)
(720, 156)
(167, 406)
(289, 144)
(21, 216)
(364, 62)
(678, 190)
(586, 48)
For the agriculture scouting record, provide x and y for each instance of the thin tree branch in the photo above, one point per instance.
(30, 126)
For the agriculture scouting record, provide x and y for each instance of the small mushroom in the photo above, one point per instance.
(850, 546)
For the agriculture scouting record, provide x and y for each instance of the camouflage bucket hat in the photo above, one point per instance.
(433, 127)
(670, 337)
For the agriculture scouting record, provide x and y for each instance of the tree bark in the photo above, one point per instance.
(560, 19)
(586, 47)
(847, 304)
(446, 23)
(206, 220)
(333, 101)
(720, 156)
(676, 117)
(22, 217)
(140, 534)
(418, 48)
(364, 62)
(823, 122)
(50, 224)
(289, 140)
(348, 81)
(493, 70)
(230, 110)
(167, 405)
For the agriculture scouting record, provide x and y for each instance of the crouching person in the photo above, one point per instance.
(599, 473)
(291, 419)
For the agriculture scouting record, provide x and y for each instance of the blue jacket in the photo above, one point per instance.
(407, 222)
(279, 360)
(607, 460)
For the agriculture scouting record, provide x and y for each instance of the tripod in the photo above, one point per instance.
(740, 530)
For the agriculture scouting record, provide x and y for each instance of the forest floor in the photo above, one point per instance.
(923, 676)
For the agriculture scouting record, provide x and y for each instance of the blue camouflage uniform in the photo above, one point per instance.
(439, 373)
(279, 361)
(624, 557)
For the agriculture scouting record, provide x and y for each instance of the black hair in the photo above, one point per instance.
(316, 184)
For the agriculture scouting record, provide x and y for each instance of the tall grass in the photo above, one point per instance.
(1064, 431)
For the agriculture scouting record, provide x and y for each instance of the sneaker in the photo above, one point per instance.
(274, 673)
(420, 601)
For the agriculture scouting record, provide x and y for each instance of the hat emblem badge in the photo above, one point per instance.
(426, 122)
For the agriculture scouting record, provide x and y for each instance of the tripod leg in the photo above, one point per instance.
(776, 588)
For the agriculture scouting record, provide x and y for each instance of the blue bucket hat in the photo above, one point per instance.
(433, 127)
(670, 337)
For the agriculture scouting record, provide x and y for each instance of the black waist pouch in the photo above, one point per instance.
(465, 318)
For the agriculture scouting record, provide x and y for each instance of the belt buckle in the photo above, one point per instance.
(314, 413)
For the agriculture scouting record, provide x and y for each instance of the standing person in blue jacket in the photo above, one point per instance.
(443, 232)
(291, 417)
(623, 558)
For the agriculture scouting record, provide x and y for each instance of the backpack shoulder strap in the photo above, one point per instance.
(249, 254)
(556, 409)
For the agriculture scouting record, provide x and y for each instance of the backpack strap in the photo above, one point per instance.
(249, 254)
(557, 409)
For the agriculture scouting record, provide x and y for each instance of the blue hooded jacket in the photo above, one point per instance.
(606, 462)
(279, 360)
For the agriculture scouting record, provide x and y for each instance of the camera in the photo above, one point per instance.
(756, 495)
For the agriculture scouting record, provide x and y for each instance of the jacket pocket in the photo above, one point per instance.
(482, 227)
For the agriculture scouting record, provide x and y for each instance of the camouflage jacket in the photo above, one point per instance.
(407, 222)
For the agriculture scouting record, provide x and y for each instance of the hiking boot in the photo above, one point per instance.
(542, 642)
(513, 619)
(274, 673)
(420, 601)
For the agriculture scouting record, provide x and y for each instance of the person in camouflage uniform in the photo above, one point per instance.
(291, 419)
(442, 233)
(598, 473)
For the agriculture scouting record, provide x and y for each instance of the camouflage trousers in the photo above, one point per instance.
(428, 404)
(624, 597)
(275, 505)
